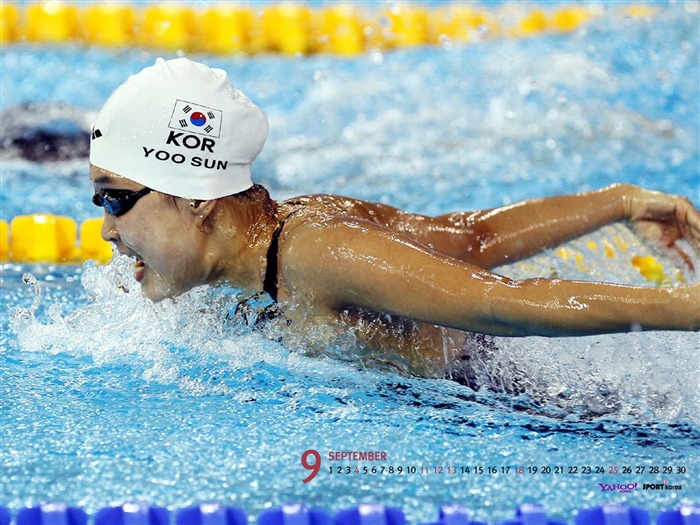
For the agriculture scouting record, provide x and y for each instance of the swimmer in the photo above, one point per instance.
(170, 163)
(45, 132)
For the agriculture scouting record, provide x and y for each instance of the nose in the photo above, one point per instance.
(109, 230)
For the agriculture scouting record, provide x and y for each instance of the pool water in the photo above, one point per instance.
(108, 398)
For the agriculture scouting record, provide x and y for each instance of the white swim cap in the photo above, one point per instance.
(181, 128)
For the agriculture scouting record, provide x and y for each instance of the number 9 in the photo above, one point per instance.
(313, 467)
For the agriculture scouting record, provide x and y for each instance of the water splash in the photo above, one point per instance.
(638, 376)
(188, 341)
(119, 326)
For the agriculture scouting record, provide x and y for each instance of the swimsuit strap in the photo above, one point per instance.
(270, 284)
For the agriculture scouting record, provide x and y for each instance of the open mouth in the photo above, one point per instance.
(139, 269)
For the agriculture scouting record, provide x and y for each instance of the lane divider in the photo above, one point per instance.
(366, 514)
(289, 28)
(45, 238)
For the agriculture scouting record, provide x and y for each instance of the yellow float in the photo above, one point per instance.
(291, 28)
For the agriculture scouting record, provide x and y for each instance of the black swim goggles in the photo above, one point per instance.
(118, 202)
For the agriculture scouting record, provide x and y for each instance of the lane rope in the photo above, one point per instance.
(289, 28)
(378, 514)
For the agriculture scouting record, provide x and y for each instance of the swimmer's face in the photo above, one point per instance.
(159, 232)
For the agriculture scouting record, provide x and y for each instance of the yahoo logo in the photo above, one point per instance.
(622, 488)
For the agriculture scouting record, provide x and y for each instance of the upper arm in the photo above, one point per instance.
(340, 264)
(457, 234)
(353, 263)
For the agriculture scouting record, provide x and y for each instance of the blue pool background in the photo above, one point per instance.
(107, 398)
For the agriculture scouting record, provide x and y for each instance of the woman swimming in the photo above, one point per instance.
(170, 162)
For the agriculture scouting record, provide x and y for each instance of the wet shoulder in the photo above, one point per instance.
(326, 207)
(311, 224)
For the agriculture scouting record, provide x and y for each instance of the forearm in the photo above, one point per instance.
(570, 308)
(514, 232)
(367, 267)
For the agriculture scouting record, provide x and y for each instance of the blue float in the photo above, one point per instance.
(612, 514)
(4, 516)
(370, 515)
(685, 515)
(52, 514)
(294, 515)
(531, 514)
(211, 514)
(455, 515)
(132, 514)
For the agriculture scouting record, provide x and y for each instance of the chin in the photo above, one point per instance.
(156, 292)
(155, 297)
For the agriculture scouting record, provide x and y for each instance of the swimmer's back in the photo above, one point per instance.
(448, 234)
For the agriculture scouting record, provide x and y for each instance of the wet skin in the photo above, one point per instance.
(411, 284)
(160, 235)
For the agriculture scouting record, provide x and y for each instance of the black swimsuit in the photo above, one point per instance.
(477, 347)
(253, 311)
(270, 284)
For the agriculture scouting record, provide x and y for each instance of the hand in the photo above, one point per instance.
(662, 219)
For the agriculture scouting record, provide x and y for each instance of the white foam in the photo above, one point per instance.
(636, 376)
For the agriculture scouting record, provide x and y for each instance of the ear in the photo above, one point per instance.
(202, 210)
